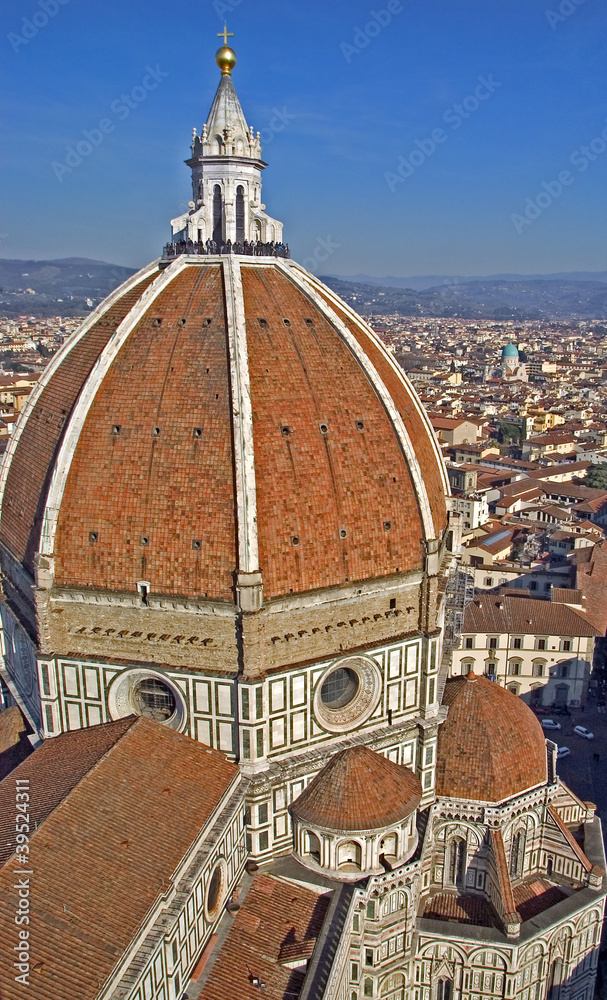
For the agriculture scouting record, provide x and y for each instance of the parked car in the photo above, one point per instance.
(582, 731)
(550, 724)
(563, 752)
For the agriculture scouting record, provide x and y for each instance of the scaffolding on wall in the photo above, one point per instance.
(459, 591)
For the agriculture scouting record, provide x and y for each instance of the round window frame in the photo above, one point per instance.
(364, 703)
(121, 696)
(212, 913)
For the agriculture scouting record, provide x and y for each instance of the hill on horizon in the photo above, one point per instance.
(420, 282)
(70, 286)
(532, 299)
(73, 286)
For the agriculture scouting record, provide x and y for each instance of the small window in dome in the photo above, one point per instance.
(93, 536)
(392, 603)
(285, 431)
(309, 322)
(263, 323)
(294, 539)
(158, 321)
(181, 322)
(387, 525)
(144, 540)
(207, 321)
(343, 533)
(287, 322)
(196, 543)
(116, 428)
(360, 425)
(197, 432)
(156, 432)
(324, 428)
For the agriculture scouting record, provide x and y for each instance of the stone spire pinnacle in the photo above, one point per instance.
(226, 169)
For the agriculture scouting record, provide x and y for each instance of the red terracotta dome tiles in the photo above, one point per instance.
(312, 485)
(171, 487)
(28, 477)
(491, 746)
(358, 789)
(417, 430)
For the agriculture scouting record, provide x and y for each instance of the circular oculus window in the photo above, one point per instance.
(216, 891)
(347, 693)
(152, 695)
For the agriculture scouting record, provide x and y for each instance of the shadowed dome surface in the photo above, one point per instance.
(222, 415)
(491, 746)
(358, 790)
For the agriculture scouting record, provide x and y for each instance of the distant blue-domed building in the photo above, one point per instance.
(513, 369)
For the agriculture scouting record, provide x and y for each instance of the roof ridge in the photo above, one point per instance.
(566, 832)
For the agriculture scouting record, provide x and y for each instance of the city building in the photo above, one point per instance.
(539, 650)
(513, 369)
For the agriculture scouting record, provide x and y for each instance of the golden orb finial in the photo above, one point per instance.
(225, 57)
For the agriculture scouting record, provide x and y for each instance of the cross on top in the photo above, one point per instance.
(225, 34)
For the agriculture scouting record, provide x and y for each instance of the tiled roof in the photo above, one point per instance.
(28, 474)
(591, 578)
(448, 423)
(527, 616)
(151, 462)
(563, 595)
(568, 836)
(12, 724)
(503, 875)
(491, 746)
(14, 744)
(278, 923)
(574, 492)
(465, 909)
(533, 897)
(358, 790)
(114, 808)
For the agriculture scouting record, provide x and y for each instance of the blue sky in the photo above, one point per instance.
(359, 88)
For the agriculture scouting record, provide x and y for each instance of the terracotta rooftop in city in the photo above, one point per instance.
(527, 616)
(491, 746)
(358, 790)
(272, 936)
(99, 867)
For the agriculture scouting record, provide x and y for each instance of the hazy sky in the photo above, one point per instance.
(485, 106)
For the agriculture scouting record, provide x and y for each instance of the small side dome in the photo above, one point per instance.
(358, 790)
(357, 817)
(491, 746)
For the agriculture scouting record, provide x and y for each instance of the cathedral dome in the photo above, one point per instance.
(491, 746)
(219, 422)
(358, 790)
(357, 816)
